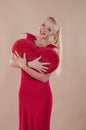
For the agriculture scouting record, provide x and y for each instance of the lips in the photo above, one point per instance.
(42, 33)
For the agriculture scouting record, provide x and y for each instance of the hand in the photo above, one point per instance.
(36, 64)
(21, 61)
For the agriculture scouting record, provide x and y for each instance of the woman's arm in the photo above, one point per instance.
(39, 76)
(12, 62)
(22, 63)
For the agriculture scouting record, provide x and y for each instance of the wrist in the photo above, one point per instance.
(24, 67)
(29, 64)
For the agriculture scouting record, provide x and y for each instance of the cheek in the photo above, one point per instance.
(40, 28)
(50, 34)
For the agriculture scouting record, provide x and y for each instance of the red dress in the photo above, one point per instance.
(35, 102)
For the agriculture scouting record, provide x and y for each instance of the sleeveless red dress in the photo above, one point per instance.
(35, 101)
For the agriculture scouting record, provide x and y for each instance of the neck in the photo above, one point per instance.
(41, 41)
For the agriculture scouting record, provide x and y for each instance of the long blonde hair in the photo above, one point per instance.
(57, 40)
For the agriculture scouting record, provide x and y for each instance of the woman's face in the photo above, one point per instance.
(47, 29)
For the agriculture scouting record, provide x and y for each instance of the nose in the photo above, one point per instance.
(44, 29)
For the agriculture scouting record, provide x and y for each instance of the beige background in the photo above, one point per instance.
(69, 90)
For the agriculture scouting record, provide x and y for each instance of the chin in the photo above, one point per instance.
(42, 36)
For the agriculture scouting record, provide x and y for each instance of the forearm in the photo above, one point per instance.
(39, 76)
(12, 61)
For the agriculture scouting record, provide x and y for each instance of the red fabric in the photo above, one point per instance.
(32, 52)
(35, 99)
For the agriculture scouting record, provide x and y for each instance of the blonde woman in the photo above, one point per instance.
(35, 95)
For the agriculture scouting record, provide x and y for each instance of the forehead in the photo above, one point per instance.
(49, 23)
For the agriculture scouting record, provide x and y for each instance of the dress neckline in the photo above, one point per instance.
(34, 39)
(41, 46)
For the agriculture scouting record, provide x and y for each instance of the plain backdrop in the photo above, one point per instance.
(69, 90)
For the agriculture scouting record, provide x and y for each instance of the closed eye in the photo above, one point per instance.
(49, 29)
(43, 25)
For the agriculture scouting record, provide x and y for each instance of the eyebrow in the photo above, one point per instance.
(48, 27)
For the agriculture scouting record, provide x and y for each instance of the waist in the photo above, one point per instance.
(34, 86)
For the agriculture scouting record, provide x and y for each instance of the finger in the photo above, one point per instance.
(24, 56)
(44, 67)
(15, 57)
(45, 63)
(43, 70)
(17, 53)
(40, 71)
(39, 58)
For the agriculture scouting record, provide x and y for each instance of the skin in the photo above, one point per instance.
(46, 30)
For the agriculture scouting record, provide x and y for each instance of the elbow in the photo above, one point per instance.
(44, 80)
(10, 64)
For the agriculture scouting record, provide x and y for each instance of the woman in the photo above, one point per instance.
(35, 95)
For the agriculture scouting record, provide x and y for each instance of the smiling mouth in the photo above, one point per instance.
(42, 33)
